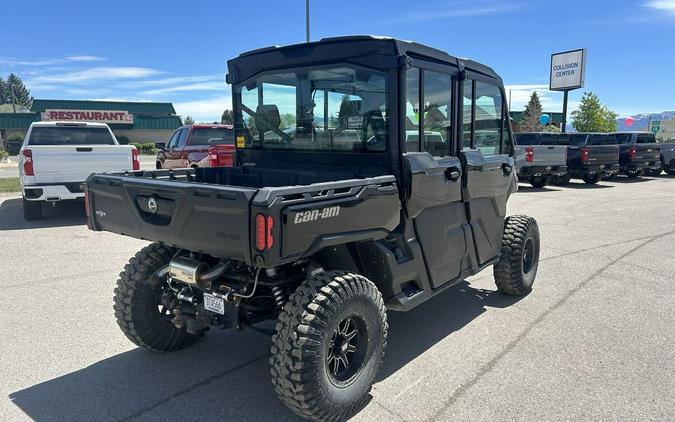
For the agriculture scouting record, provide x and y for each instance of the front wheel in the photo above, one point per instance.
(516, 269)
(32, 210)
(539, 181)
(140, 302)
(591, 179)
(329, 345)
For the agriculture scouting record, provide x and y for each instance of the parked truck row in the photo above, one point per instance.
(544, 157)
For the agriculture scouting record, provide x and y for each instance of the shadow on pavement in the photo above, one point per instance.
(625, 179)
(583, 185)
(226, 376)
(530, 189)
(67, 213)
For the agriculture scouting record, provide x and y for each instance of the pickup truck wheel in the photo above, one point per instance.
(158, 165)
(654, 172)
(329, 345)
(539, 181)
(32, 210)
(591, 179)
(517, 266)
(138, 302)
(562, 180)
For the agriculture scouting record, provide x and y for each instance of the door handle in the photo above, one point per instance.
(452, 174)
(507, 169)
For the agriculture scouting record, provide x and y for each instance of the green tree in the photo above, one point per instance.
(188, 121)
(531, 115)
(16, 92)
(227, 118)
(3, 90)
(593, 116)
(551, 128)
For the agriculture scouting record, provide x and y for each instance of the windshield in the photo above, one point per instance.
(339, 108)
(64, 135)
(211, 136)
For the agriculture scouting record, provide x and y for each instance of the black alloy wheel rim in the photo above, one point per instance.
(528, 256)
(346, 349)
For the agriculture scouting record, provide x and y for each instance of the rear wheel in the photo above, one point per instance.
(329, 345)
(32, 210)
(591, 179)
(539, 181)
(519, 260)
(654, 172)
(140, 302)
(158, 165)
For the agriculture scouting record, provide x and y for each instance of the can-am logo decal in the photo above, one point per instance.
(313, 215)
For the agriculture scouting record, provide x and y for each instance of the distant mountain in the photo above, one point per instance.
(642, 120)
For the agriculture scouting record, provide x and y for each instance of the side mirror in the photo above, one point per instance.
(160, 145)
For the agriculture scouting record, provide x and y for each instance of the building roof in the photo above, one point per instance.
(144, 108)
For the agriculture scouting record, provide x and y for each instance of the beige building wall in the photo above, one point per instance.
(145, 136)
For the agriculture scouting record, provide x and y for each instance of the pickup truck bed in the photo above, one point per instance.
(213, 210)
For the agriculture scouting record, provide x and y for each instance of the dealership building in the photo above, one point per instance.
(141, 122)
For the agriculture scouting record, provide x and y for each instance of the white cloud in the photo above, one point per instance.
(665, 5)
(96, 74)
(457, 9)
(201, 86)
(206, 110)
(520, 95)
(9, 61)
(180, 80)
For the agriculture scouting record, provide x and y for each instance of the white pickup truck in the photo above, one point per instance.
(57, 157)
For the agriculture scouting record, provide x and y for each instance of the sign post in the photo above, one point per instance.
(568, 70)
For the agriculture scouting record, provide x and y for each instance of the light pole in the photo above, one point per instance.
(307, 20)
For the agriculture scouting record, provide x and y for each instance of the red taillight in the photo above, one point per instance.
(584, 154)
(263, 232)
(135, 163)
(28, 162)
(529, 154)
(632, 152)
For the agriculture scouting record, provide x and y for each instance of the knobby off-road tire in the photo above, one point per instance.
(137, 302)
(32, 210)
(517, 266)
(591, 179)
(312, 328)
(539, 181)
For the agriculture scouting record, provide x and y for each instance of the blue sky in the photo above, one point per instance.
(177, 51)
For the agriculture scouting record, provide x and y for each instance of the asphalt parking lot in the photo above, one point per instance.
(594, 341)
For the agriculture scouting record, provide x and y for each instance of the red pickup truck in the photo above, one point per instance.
(197, 146)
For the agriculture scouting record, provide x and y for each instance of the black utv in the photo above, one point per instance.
(372, 174)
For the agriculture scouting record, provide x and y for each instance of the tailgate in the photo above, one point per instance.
(200, 217)
(549, 155)
(70, 163)
(649, 152)
(603, 154)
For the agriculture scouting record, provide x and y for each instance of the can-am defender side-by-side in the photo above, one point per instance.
(372, 174)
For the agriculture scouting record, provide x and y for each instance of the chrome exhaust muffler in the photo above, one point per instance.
(195, 273)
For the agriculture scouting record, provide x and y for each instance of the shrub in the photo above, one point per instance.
(123, 140)
(148, 149)
(138, 146)
(3, 155)
(14, 141)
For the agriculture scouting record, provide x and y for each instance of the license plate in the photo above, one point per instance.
(214, 304)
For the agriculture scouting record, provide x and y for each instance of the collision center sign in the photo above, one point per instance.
(568, 70)
(101, 116)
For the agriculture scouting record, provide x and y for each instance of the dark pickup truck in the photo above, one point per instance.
(639, 153)
(332, 216)
(590, 156)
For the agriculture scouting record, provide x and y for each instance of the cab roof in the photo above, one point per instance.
(363, 47)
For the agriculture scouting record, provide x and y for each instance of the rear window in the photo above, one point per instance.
(602, 140)
(646, 138)
(553, 139)
(577, 139)
(526, 138)
(623, 138)
(211, 136)
(65, 135)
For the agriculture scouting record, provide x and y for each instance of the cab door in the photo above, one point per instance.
(488, 162)
(434, 200)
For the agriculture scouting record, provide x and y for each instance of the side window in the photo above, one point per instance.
(174, 139)
(412, 110)
(467, 123)
(183, 137)
(488, 122)
(437, 116)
